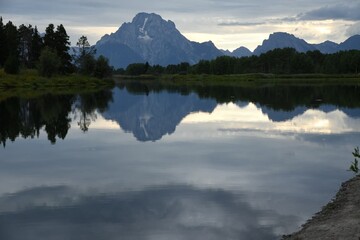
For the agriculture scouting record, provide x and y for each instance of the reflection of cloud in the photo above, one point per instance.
(98, 123)
(172, 212)
(301, 120)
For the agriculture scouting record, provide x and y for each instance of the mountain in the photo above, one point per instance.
(327, 47)
(241, 52)
(283, 40)
(149, 38)
(352, 43)
(151, 116)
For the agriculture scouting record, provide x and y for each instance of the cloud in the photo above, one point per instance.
(167, 212)
(353, 29)
(242, 24)
(333, 12)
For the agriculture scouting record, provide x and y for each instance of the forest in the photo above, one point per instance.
(50, 53)
(277, 61)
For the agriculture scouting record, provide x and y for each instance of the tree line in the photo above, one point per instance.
(277, 61)
(24, 48)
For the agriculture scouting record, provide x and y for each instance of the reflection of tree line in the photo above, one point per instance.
(277, 98)
(25, 117)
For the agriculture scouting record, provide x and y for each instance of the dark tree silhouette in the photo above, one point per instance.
(11, 64)
(25, 38)
(102, 68)
(49, 62)
(35, 48)
(49, 37)
(3, 44)
(62, 46)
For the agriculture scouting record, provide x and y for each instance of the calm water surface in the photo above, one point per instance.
(141, 162)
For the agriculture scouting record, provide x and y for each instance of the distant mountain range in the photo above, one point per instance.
(149, 38)
(284, 40)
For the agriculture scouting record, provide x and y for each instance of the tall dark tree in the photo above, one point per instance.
(84, 46)
(62, 46)
(49, 38)
(85, 56)
(3, 45)
(11, 64)
(25, 38)
(36, 47)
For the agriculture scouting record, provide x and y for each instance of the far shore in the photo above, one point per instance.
(246, 80)
(28, 83)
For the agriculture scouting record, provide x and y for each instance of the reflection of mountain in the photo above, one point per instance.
(169, 212)
(281, 115)
(151, 116)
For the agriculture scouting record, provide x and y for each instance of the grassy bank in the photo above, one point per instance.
(28, 83)
(247, 80)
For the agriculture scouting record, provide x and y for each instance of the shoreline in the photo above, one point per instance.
(339, 219)
(244, 80)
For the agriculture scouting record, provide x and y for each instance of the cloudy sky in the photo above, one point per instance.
(228, 23)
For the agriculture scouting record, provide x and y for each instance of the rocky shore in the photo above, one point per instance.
(339, 219)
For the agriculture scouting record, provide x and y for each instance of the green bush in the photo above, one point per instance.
(87, 64)
(11, 65)
(102, 68)
(354, 167)
(49, 63)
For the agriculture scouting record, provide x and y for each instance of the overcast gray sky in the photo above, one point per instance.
(228, 23)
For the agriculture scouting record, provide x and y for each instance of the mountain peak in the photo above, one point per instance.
(153, 18)
(156, 41)
(281, 34)
(283, 40)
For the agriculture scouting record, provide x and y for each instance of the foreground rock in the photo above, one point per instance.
(339, 219)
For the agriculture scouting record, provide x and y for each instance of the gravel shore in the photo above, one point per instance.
(339, 219)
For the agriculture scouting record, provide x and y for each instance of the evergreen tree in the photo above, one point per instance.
(36, 47)
(49, 38)
(3, 45)
(62, 46)
(12, 57)
(84, 46)
(25, 37)
(85, 57)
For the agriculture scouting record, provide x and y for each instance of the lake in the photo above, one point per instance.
(145, 161)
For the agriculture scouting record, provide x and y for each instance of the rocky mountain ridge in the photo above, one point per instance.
(150, 38)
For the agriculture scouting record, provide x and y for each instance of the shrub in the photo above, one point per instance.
(11, 65)
(102, 68)
(49, 63)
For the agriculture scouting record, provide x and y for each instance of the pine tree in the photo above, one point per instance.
(49, 38)
(85, 56)
(25, 37)
(3, 45)
(12, 58)
(62, 46)
(36, 47)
